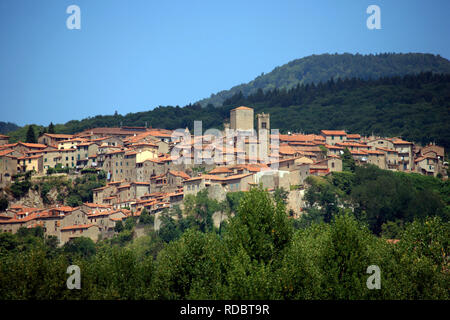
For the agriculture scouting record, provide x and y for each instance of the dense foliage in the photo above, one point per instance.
(321, 68)
(259, 255)
(384, 200)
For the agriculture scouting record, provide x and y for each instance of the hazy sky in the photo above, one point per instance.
(134, 55)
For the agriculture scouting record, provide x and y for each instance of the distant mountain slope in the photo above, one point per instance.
(6, 127)
(414, 107)
(323, 67)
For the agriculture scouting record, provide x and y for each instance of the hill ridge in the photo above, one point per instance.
(322, 67)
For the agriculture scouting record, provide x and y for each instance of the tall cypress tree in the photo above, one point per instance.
(51, 128)
(31, 136)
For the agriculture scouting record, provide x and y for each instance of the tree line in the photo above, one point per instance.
(260, 253)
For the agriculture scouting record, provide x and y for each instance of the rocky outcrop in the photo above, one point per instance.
(32, 199)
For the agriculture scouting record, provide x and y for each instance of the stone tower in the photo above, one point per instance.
(241, 119)
(263, 121)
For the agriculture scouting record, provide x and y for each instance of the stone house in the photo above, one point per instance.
(90, 231)
(405, 154)
(52, 139)
(333, 136)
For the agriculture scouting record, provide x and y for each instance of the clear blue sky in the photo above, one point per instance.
(134, 55)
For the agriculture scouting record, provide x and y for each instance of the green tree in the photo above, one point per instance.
(51, 128)
(260, 227)
(31, 135)
(348, 163)
(130, 223)
(281, 195)
(202, 208)
(74, 200)
(119, 226)
(146, 218)
(81, 246)
(345, 257)
(168, 230)
(190, 268)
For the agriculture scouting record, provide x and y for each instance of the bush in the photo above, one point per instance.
(74, 201)
(146, 218)
(20, 188)
(81, 246)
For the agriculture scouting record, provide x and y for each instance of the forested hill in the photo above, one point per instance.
(6, 127)
(323, 67)
(414, 107)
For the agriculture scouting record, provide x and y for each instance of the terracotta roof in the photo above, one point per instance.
(84, 144)
(374, 152)
(334, 156)
(220, 170)
(400, 141)
(333, 147)
(358, 152)
(300, 137)
(286, 149)
(141, 183)
(180, 174)
(31, 157)
(424, 157)
(333, 132)
(236, 176)
(242, 108)
(33, 145)
(252, 167)
(5, 152)
(65, 208)
(116, 151)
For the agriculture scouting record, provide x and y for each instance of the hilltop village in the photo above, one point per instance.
(155, 169)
